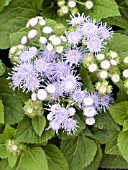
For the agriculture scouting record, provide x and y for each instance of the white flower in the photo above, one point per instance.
(71, 3)
(89, 111)
(103, 74)
(100, 56)
(24, 40)
(42, 94)
(89, 4)
(56, 41)
(92, 67)
(126, 60)
(90, 121)
(49, 47)
(113, 62)
(113, 54)
(42, 22)
(105, 64)
(32, 34)
(34, 97)
(115, 78)
(50, 88)
(125, 73)
(71, 111)
(43, 40)
(59, 49)
(33, 21)
(88, 101)
(47, 30)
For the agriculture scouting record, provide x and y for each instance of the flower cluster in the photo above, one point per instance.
(61, 118)
(105, 67)
(93, 36)
(47, 66)
(70, 6)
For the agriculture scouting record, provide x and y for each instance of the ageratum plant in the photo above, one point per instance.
(63, 85)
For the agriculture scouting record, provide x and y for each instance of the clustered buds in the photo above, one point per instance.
(33, 108)
(14, 147)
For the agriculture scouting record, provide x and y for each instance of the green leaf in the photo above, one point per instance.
(1, 112)
(118, 43)
(26, 134)
(3, 151)
(119, 112)
(12, 160)
(13, 108)
(86, 81)
(105, 121)
(55, 158)
(79, 151)
(123, 144)
(96, 161)
(111, 143)
(10, 22)
(34, 159)
(2, 69)
(3, 3)
(125, 125)
(9, 132)
(100, 135)
(117, 21)
(15, 37)
(113, 162)
(4, 165)
(101, 9)
(39, 123)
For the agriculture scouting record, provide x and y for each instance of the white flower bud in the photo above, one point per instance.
(88, 101)
(56, 41)
(47, 30)
(71, 3)
(105, 64)
(33, 21)
(113, 62)
(59, 49)
(50, 116)
(115, 78)
(49, 47)
(71, 111)
(50, 88)
(13, 49)
(14, 147)
(92, 67)
(34, 97)
(42, 94)
(89, 111)
(42, 22)
(89, 4)
(24, 40)
(126, 60)
(63, 38)
(51, 37)
(100, 56)
(103, 74)
(90, 121)
(64, 9)
(32, 34)
(113, 54)
(125, 73)
(43, 40)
